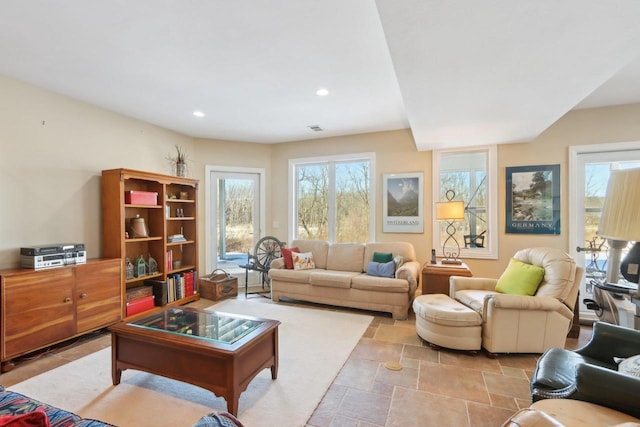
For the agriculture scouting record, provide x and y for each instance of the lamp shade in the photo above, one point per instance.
(620, 218)
(449, 211)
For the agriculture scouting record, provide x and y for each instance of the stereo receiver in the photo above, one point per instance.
(58, 255)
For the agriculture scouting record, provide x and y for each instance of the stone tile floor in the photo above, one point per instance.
(445, 388)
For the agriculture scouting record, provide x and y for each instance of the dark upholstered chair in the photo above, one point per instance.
(590, 373)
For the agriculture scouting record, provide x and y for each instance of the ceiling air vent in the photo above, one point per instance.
(315, 128)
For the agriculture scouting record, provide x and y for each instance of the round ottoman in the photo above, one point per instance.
(444, 322)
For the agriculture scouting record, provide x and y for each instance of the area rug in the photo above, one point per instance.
(314, 344)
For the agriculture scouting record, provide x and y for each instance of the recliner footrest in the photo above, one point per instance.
(446, 322)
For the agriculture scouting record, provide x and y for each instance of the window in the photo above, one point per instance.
(472, 175)
(332, 198)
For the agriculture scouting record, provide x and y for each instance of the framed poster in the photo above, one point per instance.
(402, 203)
(533, 199)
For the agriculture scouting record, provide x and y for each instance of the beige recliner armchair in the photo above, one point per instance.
(524, 323)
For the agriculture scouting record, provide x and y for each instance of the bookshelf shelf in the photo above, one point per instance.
(173, 213)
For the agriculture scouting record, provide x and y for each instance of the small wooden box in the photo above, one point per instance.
(139, 292)
(218, 285)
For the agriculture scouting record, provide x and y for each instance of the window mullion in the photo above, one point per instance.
(332, 210)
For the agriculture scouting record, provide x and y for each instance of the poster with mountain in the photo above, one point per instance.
(402, 203)
(533, 199)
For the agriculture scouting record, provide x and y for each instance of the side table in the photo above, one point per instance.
(435, 277)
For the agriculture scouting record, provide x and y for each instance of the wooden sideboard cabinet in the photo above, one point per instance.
(43, 307)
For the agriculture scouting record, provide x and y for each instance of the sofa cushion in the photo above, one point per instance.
(472, 298)
(345, 257)
(303, 261)
(405, 249)
(319, 249)
(37, 418)
(379, 269)
(294, 276)
(335, 279)
(382, 257)
(520, 278)
(286, 257)
(379, 284)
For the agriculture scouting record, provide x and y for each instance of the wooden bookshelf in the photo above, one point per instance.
(173, 212)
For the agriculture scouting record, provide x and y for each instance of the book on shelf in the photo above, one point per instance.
(169, 259)
(174, 238)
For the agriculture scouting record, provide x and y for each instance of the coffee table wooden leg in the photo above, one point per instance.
(232, 405)
(274, 367)
(116, 374)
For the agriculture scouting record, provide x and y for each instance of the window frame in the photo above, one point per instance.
(292, 210)
(490, 249)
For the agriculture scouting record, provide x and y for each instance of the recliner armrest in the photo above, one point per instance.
(524, 302)
(609, 341)
(460, 283)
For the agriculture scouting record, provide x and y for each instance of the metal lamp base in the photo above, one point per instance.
(451, 261)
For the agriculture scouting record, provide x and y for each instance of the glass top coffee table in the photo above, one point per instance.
(221, 352)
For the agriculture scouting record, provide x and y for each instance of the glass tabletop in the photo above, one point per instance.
(207, 325)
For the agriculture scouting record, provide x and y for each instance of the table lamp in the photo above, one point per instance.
(620, 223)
(450, 211)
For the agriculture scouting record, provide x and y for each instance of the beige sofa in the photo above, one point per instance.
(340, 277)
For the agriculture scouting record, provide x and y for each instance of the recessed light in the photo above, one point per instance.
(322, 92)
(198, 113)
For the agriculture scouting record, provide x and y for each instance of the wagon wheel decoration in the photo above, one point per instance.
(267, 249)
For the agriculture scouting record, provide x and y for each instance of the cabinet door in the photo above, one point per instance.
(98, 294)
(38, 310)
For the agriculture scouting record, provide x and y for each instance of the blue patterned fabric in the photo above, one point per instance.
(12, 403)
(218, 419)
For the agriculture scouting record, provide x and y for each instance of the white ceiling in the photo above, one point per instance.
(457, 72)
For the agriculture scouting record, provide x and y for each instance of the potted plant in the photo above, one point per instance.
(179, 161)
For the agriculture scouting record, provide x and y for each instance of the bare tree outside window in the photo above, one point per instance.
(333, 201)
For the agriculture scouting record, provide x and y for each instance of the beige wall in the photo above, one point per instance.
(52, 152)
(53, 149)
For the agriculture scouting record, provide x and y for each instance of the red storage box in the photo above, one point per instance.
(148, 198)
(139, 305)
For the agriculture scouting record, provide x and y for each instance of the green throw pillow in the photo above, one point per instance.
(520, 278)
(382, 257)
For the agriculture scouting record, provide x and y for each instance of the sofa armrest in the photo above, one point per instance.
(609, 341)
(277, 263)
(603, 387)
(460, 283)
(410, 272)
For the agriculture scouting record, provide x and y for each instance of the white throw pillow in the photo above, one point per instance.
(303, 261)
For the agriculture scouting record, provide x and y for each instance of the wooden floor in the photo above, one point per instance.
(444, 387)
